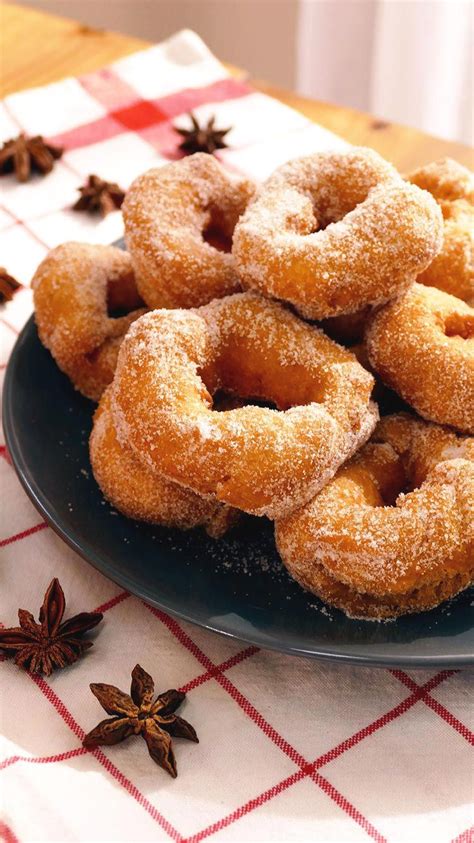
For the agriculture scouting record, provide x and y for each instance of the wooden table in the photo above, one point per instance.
(38, 48)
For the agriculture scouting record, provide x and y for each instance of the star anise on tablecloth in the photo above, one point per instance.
(50, 644)
(137, 714)
(99, 195)
(8, 285)
(202, 138)
(22, 155)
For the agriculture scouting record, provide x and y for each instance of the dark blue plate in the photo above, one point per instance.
(236, 586)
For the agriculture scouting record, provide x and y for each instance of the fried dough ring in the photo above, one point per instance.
(167, 212)
(260, 460)
(452, 185)
(369, 548)
(335, 232)
(74, 287)
(422, 346)
(138, 492)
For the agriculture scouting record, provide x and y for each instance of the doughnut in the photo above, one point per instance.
(393, 531)
(77, 288)
(138, 492)
(263, 460)
(335, 232)
(422, 346)
(452, 185)
(168, 213)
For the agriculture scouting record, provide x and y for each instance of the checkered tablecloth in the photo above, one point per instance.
(289, 749)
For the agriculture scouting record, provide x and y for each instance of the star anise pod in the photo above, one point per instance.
(137, 714)
(99, 195)
(22, 155)
(202, 138)
(8, 285)
(42, 647)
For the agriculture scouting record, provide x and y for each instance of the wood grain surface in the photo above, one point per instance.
(37, 48)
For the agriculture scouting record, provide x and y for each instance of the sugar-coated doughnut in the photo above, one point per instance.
(76, 289)
(261, 460)
(422, 346)
(140, 493)
(446, 180)
(335, 232)
(167, 212)
(393, 531)
(452, 185)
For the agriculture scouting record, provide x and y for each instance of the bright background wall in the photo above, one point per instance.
(405, 60)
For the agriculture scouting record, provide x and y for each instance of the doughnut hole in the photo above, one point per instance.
(449, 210)
(386, 470)
(378, 480)
(223, 401)
(334, 196)
(240, 371)
(217, 231)
(259, 369)
(459, 325)
(94, 355)
(217, 238)
(219, 225)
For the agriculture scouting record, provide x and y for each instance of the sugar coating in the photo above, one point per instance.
(263, 461)
(393, 531)
(422, 346)
(166, 213)
(140, 493)
(452, 185)
(73, 288)
(446, 180)
(335, 232)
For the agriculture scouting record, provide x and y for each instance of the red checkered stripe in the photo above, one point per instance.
(151, 120)
(127, 111)
(6, 834)
(466, 836)
(218, 672)
(8, 326)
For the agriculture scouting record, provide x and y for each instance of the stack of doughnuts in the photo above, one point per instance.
(239, 351)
